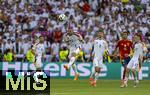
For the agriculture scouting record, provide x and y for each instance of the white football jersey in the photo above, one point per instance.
(99, 47)
(72, 40)
(39, 49)
(138, 50)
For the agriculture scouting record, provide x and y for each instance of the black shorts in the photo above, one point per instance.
(126, 61)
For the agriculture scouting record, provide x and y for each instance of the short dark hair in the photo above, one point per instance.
(41, 36)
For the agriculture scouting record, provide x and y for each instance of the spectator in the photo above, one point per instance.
(9, 45)
(63, 54)
(47, 46)
(87, 49)
(8, 56)
(25, 45)
(80, 57)
(85, 6)
(56, 35)
(30, 56)
(55, 51)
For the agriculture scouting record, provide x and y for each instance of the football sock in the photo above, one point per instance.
(136, 76)
(124, 71)
(126, 79)
(93, 72)
(75, 68)
(96, 76)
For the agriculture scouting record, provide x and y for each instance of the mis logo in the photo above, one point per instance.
(21, 78)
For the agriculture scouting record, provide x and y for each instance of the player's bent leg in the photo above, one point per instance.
(73, 55)
(66, 67)
(71, 63)
(72, 60)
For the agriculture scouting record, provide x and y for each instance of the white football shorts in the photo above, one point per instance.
(133, 64)
(98, 62)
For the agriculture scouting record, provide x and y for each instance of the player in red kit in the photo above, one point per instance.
(125, 48)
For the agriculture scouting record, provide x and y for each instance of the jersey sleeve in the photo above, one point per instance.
(64, 38)
(78, 35)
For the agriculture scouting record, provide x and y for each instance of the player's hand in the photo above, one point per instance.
(114, 56)
(128, 55)
(82, 40)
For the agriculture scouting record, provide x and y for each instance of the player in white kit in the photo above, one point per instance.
(100, 47)
(134, 62)
(38, 50)
(74, 41)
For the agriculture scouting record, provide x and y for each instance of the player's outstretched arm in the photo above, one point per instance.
(79, 37)
(131, 52)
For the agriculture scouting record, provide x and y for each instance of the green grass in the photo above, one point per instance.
(104, 87)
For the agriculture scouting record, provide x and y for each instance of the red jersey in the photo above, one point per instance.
(125, 46)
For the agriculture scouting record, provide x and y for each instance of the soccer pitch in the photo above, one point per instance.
(104, 87)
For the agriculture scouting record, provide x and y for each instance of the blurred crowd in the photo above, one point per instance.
(23, 20)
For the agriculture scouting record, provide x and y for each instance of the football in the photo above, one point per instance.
(62, 17)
